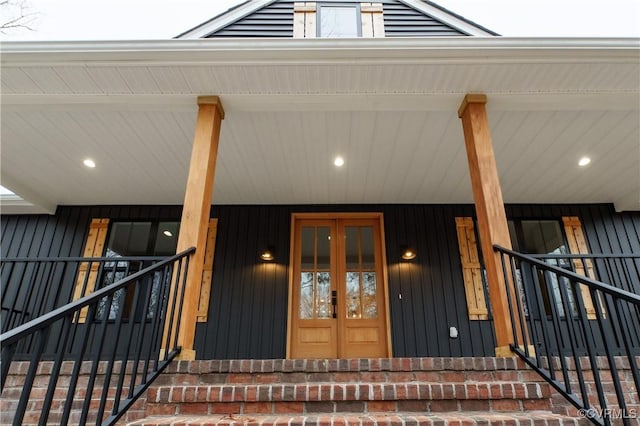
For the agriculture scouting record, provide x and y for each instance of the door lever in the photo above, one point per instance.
(334, 302)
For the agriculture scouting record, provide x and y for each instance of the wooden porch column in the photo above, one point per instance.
(492, 219)
(196, 210)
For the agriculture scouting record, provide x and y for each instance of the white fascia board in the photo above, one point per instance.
(320, 51)
(449, 18)
(225, 19)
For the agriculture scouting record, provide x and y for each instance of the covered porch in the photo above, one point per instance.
(391, 109)
(246, 132)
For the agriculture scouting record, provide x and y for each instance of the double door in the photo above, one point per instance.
(338, 304)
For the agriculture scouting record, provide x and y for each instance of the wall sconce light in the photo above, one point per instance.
(268, 254)
(408, 253)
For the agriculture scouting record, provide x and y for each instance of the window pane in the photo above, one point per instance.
(128, 239)
(306, 295)
(338, 21)
(543, 237)
(353, 295)
(351, 248)
(369, 304)
(324, 252)
(323, 297)
(166, 239)
(308, 247)
(366, 244)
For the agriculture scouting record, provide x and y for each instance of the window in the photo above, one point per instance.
(544, 237)
(339, 20)
(133, 239)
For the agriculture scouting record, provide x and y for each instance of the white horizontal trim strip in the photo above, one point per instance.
(379, 50)
(534, 101)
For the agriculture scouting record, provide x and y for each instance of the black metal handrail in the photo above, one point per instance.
(31, 287)
(119, 338)
(585, 354)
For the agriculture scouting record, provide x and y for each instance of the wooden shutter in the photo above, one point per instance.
(471, 270)
(304, 19)
(207, 271)
(578, 245)
(93, 247)
(372, 19)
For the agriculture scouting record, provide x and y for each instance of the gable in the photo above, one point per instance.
(274, 18)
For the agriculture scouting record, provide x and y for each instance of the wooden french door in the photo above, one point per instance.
(338, 305)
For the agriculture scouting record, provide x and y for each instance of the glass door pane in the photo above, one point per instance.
(361, 280)
(315, 273)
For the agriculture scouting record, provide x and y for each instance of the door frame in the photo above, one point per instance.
(385, 282)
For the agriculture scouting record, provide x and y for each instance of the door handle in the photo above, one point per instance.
(334, 302)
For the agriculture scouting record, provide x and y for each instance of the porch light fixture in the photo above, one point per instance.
(267, 255)
(338, 162)
(408, 253)
(584, 161)
(89, 163)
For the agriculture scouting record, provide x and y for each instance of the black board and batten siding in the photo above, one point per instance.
(276, 20)
(248, 308)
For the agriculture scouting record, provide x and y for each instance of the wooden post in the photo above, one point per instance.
(492, 219)
(195, 214)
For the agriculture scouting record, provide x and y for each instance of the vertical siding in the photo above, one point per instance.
(248, 308)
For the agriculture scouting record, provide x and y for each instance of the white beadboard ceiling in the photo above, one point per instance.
(389, 107)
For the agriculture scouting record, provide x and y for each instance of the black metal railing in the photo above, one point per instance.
(580, 334)
(89, 360)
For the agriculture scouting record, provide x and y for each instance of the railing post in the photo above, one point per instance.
(195, 215)
(492, 219)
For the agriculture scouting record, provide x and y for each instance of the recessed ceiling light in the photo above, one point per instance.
(338, 162)
(167, 233)
(89, 163)
(584, 161)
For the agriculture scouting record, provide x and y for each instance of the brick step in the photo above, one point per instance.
(348, 397)
(534, 418)
(374, 370)
(348, 392)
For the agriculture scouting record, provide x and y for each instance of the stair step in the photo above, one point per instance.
(533, 418)
(347, 392)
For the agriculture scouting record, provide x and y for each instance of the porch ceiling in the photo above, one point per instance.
(388, 106)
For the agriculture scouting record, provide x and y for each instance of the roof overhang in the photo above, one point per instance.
(388, 105)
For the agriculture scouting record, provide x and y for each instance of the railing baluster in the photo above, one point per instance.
(573, 338)
(556, 320)
(537, 291)
(123, 365)
(55, 371)
(138, 352)
(591, 351)
(34, 362)
(110, 362)
(612, 363)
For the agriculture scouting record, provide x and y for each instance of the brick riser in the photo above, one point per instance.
(420, 391)
(348, 397)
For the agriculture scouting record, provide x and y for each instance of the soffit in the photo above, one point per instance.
(390, 112)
